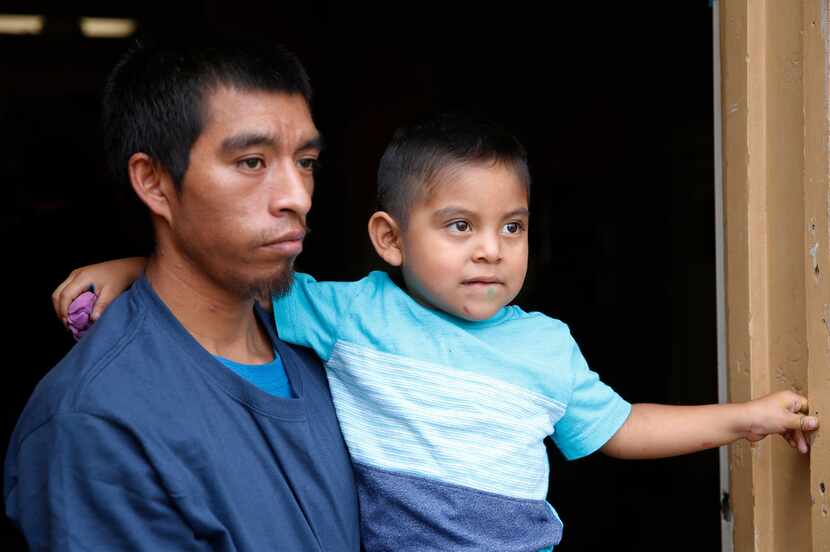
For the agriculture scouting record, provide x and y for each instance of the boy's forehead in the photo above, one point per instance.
(474, 181)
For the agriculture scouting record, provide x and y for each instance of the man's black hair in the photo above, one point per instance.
(154, 98)
(418, 154)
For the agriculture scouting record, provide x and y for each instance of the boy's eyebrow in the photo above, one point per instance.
(522, 212)
(453, 211)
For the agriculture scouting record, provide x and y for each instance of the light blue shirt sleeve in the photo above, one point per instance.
(593, 414)
(310, 314)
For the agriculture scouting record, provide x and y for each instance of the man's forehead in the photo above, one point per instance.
(259, 112)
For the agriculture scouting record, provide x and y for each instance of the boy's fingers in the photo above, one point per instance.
(789, 435)
(65, 299)
(802, 423)
(100, 304)
(801, 442)
(56, 295)
(70, 292)
(802, 405)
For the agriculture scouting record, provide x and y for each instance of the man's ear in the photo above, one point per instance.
(152, 184)
(386, 237)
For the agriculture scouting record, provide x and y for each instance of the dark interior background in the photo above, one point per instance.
(612, 100)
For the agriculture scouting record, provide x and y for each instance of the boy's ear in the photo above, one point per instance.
(152, 184)
(386, 237)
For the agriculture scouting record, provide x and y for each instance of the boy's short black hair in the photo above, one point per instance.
(415, 158)
(154, 98)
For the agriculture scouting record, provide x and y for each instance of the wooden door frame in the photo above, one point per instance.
(776, 200)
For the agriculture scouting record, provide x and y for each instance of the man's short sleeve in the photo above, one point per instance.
(593, 414)
(311, 312)
(84, 483)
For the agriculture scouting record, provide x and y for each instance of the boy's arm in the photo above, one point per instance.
(657, 431)
(108, 280)
(310, 314)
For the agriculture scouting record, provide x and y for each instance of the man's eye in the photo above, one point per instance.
(252, 163)
(309, 163)
(460, 226)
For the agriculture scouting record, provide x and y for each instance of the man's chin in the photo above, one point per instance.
(280, 286)
(275, 286)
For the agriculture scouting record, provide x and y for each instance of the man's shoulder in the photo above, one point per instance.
(105, 369)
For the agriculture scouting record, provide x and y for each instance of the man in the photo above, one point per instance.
(181, 422)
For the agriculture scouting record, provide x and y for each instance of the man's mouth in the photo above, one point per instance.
(288, 243)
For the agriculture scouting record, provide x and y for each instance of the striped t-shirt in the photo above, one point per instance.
(445, 418)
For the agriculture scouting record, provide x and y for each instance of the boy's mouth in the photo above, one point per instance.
(483, 281)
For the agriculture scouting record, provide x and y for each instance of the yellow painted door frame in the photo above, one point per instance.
(776, 201)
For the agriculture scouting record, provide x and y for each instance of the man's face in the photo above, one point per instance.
(240, 217)
(465, 245)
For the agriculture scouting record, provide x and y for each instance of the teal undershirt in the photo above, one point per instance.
(269, 377)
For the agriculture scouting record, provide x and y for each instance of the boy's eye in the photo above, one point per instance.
(252, 163)
(512, 228)
(460, 226)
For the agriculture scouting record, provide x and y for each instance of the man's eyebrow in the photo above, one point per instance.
(246, 140)
(314, 143)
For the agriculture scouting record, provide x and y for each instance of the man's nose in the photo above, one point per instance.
(291, 191)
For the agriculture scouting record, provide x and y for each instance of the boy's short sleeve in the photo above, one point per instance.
(311, 312)
(593, 414)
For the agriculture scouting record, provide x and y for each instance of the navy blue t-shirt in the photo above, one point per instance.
(139, 439)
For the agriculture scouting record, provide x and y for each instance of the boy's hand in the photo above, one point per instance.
(660, 431)
(783, 412)
(107, 279)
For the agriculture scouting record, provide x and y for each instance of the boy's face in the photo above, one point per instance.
(465, 245)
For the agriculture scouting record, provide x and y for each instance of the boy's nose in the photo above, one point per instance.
(488, 249)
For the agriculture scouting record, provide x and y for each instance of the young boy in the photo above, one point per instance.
(445, 391)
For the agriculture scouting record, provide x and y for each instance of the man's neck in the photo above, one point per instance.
(221, 321)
